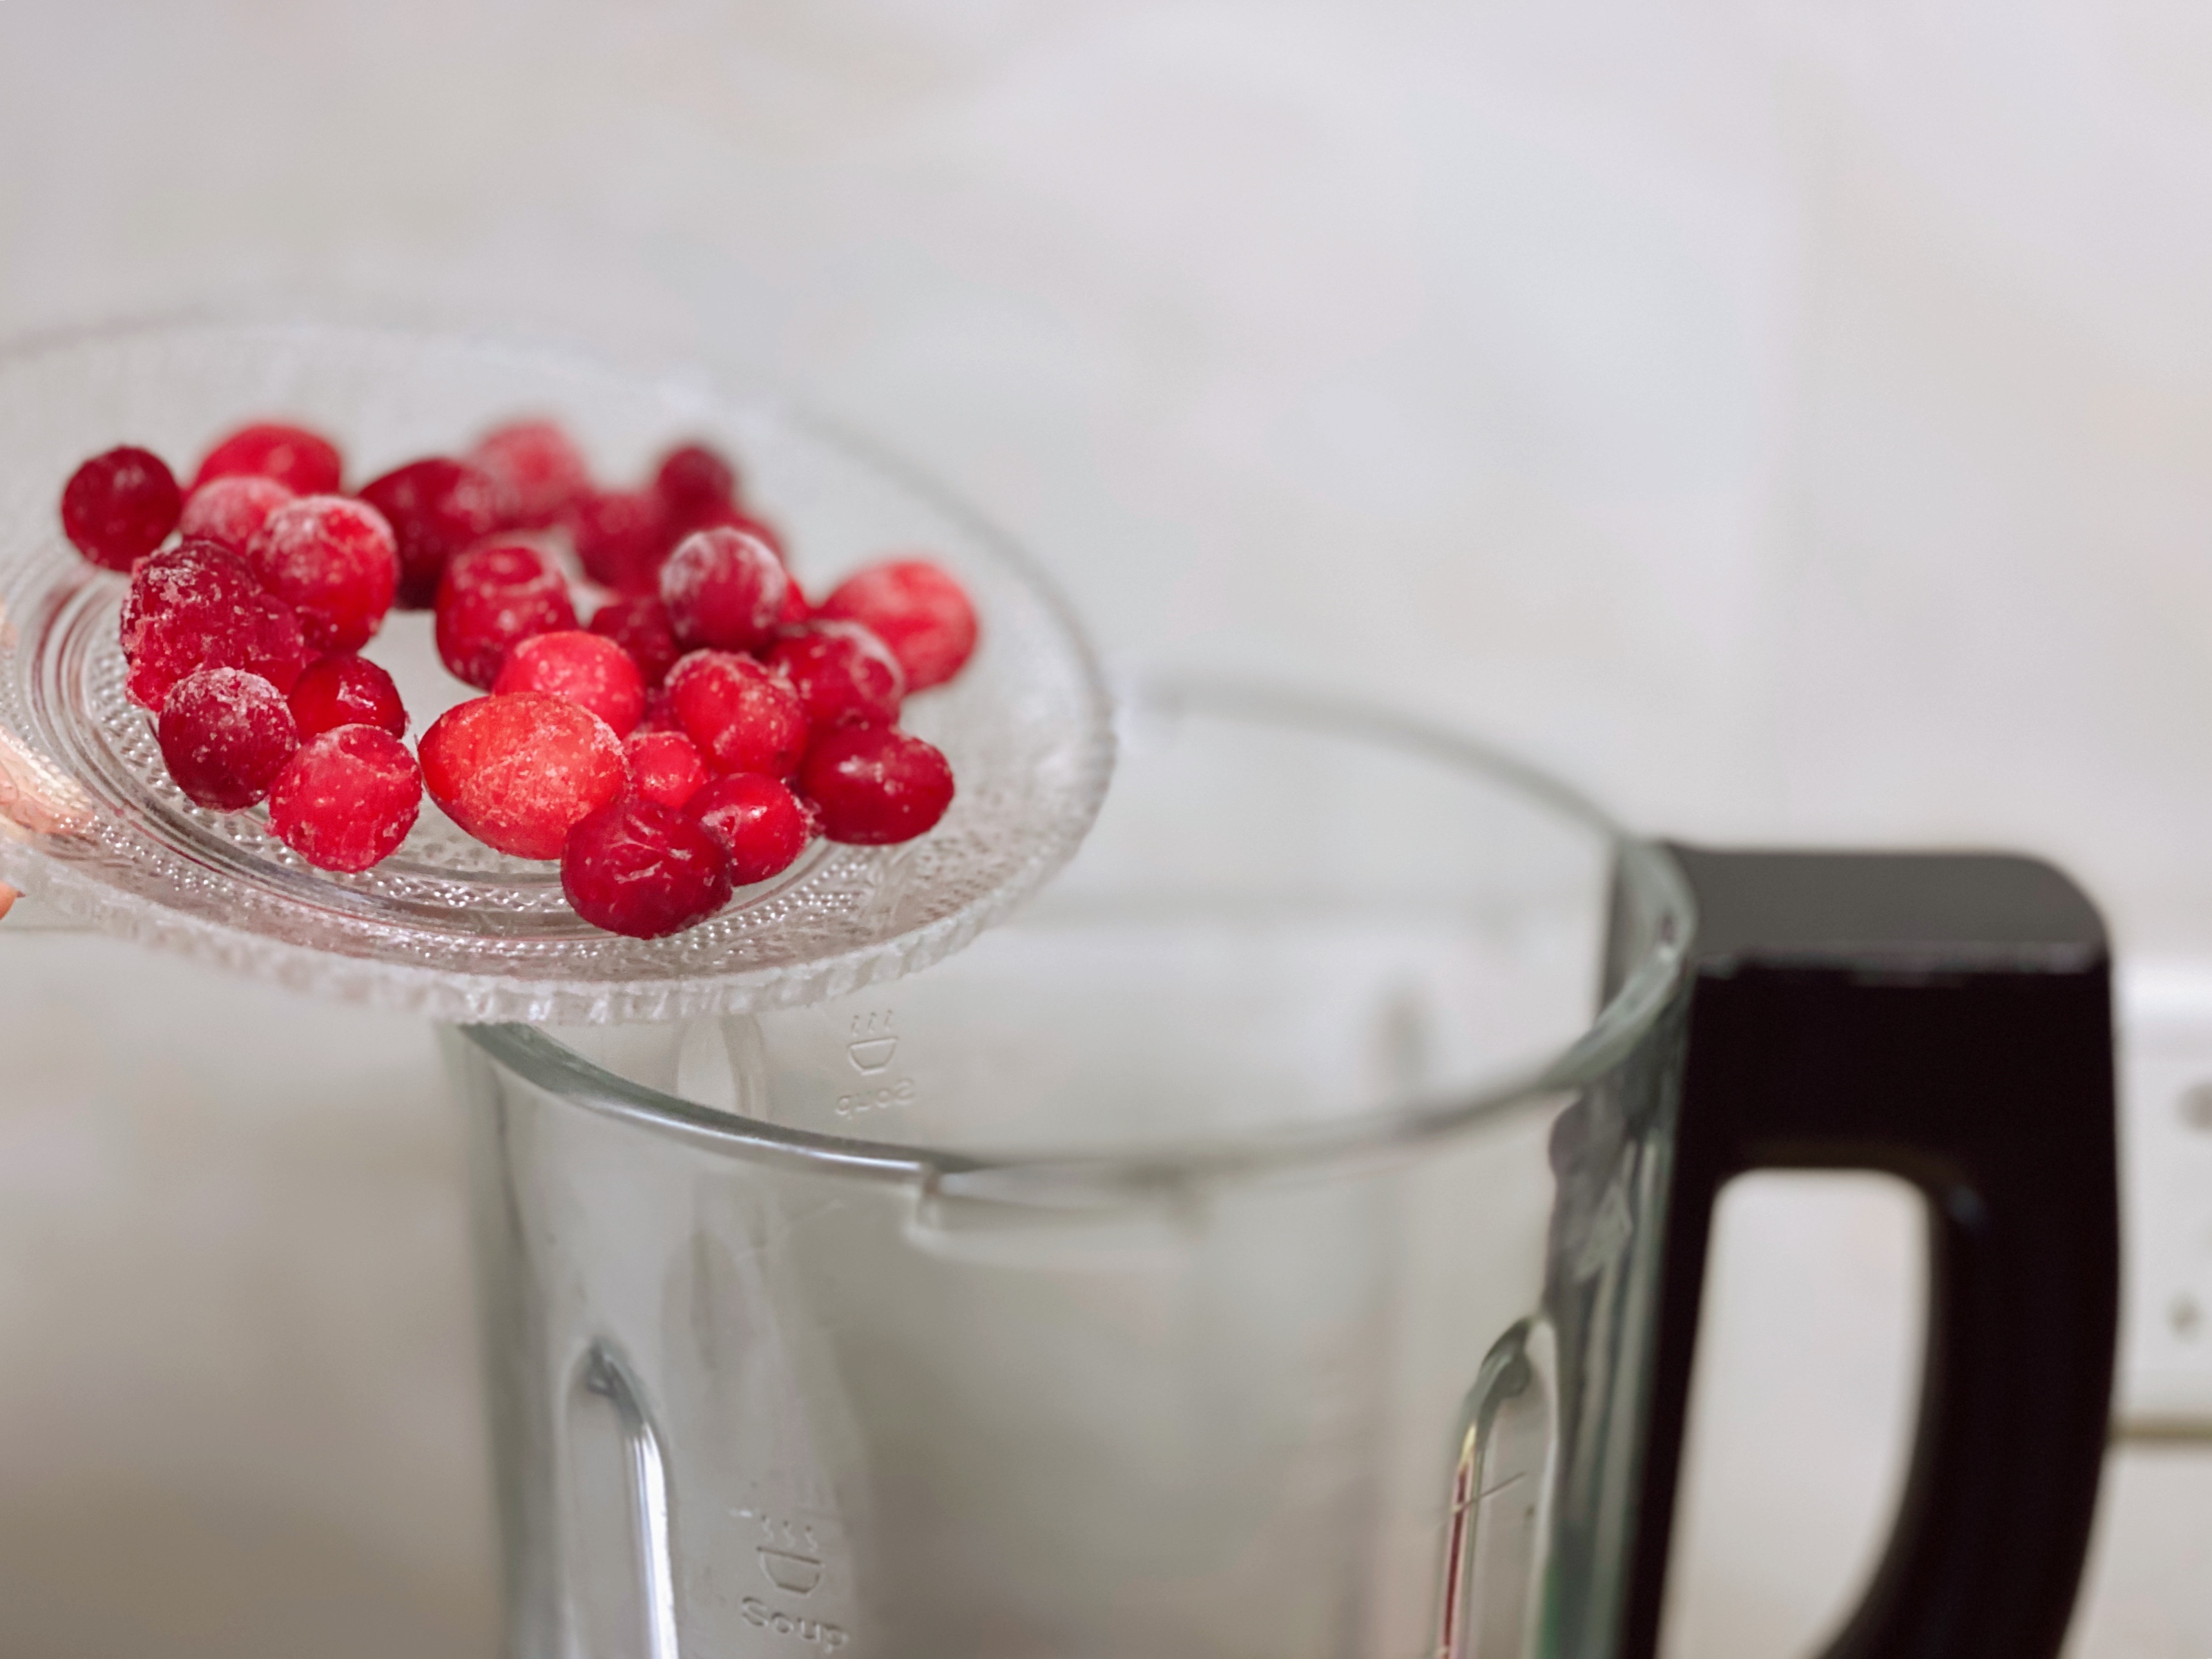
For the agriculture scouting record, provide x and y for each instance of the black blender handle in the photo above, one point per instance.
(1946, 1018)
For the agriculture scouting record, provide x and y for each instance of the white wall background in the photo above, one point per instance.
(1788, 418)
(1791, 420)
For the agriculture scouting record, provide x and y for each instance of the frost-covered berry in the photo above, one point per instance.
(435, 507)
(120, 506)
(540, 472)
(760, 822)
(742, 718)
(585, 668)
(842, 672)
(231, 510)
(643, 869)
(517, 771)
(343, 689)
(693, 482)
(333, 559)
(622, 535)
(665, 766)
(640, 626)
(225, 734)
(306, 462)
(195, 606)
(347, 799)
(875, 784)
(724, 589)
(490, 600)
(914, 608)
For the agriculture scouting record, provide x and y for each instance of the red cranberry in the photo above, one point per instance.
(195, 571)
(196, 606)
(916, 610)
(797, 607)
(119, 507)
(724, 589)
(665, 766)
(231, 510)
(640, 626)
(660, 712)
(760, 822)
(334, 562)
(225, 734)
(742, 718)
(302, 461)
(585, 668)
(692, 482)
(640, 868)
(842, 672)
(875, 784)
(731, 517)
(517, 771)
(346, 690)
(436, 508)
(539, 471)
(347, 799)
(492, 597)
(622, 535)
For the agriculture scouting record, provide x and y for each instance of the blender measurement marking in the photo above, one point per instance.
(758, 1614)
(872, 1047)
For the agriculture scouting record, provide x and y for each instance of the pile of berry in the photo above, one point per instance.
(706, 725)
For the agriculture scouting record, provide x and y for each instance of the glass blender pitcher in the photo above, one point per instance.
(1280, 1236)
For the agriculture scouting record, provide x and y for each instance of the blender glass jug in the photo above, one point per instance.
(1257, 1248)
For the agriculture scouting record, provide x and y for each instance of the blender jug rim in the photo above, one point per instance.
(1647, 881)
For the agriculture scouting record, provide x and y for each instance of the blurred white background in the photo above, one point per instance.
(1789, 420)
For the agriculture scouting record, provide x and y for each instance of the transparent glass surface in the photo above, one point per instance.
(1245, 1251)
(445, 925)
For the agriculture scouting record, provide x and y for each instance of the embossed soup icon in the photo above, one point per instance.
(798, 1574)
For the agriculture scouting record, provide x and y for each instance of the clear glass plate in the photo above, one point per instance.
(445, 925)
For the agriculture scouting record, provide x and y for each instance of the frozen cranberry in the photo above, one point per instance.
(196, 606)
(766, 533)
(916, 608)
(517, 771)
(842, 672)
(622, 535)
(797, 608)
(730, 516)
(194, 570)
(347, 798)
(345, 690)
(225, 734)
(723, 588)
(640, 626)
(665, 766)
(334, 562)
(692, 482)
(742, 718)
(660, 712)
(491, 598)
(304, 462)
(119, 507)
(875, 784)
(436, 508)
(640, 868)
(539, 471)
(585, 668)
(760, 822)
(231, 510)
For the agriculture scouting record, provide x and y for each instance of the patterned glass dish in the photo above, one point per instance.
(446, 927)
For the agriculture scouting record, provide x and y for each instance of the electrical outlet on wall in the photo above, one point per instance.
(2165, 1012)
